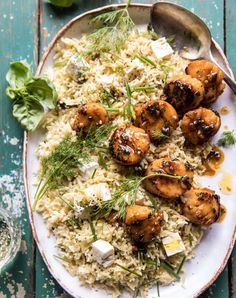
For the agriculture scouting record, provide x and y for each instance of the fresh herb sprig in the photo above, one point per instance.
(62, 164)
(227, 138)
(116, 26)
(159, 136)
(129, 109)
(29, 95)
(146, 60)
(126, 195)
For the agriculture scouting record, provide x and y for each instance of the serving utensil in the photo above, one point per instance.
(193, 39)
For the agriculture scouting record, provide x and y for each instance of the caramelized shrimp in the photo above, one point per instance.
(184, 93)
(199, 125)
(168, 187)
(157, 118)
(90, 115)
(143, 225)
(201, 206)
(210, 76)
(129, 144)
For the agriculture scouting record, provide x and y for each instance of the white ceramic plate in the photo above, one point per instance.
(217, 243)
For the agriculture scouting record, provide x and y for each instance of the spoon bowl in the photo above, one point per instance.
(193, 39)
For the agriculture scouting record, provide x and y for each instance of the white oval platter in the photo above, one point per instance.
(217, 243)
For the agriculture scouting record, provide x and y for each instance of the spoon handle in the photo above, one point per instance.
(228, 79)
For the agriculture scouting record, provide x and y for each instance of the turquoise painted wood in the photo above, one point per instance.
(18, 28)
(19, 21)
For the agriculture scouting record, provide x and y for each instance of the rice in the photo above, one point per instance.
(73, 241)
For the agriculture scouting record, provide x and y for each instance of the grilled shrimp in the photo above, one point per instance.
(184, 93)
(200, 125)
(157, 118)
(210, 76)
(90, 115)
(143, 225)
(201, 206)
(129, 144)
(168, 187)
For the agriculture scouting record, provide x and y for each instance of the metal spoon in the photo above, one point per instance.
(193, 39)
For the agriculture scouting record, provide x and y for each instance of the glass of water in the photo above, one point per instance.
(10, 239)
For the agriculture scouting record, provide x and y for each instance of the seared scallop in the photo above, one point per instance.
(184, 93)
(200, 125)
(157, 118)
(201, 206)
(129, 144)
(90, 116)
(181, 177)
(210, 76)
(143, 224)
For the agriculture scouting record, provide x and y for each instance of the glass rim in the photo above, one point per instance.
(15, 238)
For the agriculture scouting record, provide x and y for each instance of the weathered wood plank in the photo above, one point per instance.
(18, 26)
(51, 21)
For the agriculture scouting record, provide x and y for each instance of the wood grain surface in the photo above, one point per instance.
(26, 28)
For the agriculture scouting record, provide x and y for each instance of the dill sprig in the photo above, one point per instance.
(116, 26)
(126, 195)
(62, 164)
(159, 136)
(227, 138)
(146, 60)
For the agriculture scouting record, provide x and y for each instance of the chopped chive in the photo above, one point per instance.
(94, 172)
(129, 270)
(181, 265)
(113, 110)
(68, 204)
(145, 89)
(168, 268)
(190, 239)
(129, 110)
(102, 161)
(64, 259)
(146, 60)
(92, 226)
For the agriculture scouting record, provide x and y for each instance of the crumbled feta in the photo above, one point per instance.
(106, 79)
(98, 191)
(88, 169)
(173, 244)
(76, 68)
(161, 48)
(103, 252)
(81, 212)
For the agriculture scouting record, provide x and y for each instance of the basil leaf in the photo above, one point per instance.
(18, 74)
(61, 3)
(42, 90)
(28, 111)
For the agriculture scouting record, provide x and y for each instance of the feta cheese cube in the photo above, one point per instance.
(98, 191)
(161, 48)
(88, 169)
(173, 244)
(81, 212)
(76, 68)
(106, 79)
(103, 252)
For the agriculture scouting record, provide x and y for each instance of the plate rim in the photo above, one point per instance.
(42, 61)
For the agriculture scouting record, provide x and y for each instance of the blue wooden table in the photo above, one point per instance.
(26, 28)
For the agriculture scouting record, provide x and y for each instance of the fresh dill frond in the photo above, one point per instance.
(62, 164)
(129, 110)
(159, 136)
(116, 26)
(126, 195)
(227, 138)
(108, 97)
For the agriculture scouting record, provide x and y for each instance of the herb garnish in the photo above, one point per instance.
(129, 110)
(181, 265)
(29, 95)
(168, 268)
(147, 89)
(129, 270)
(159, 136)
(116, 28)
(62, 164)
(126, 195)
(227, 138)
(146, 60)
